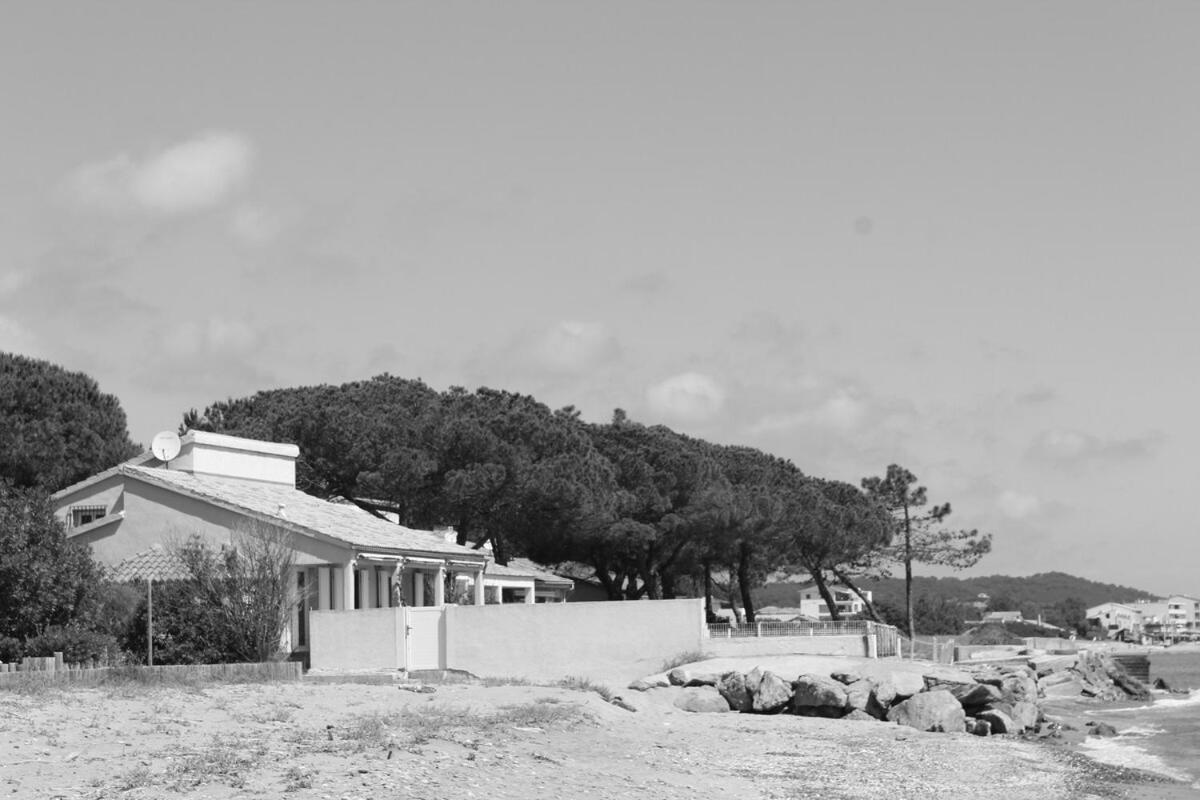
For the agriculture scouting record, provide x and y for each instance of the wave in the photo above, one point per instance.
(1121, 752)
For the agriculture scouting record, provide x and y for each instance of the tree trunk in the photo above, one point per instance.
(908, 604)
(709, 614)
(867, 604)
(818, 577)
(668, 584)
(743, 576)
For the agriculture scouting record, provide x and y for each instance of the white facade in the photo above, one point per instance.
(1118, 620)
(848, 603)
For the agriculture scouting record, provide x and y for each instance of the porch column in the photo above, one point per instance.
(343, 586)
(418, 587)
(397, 586)
(366, 596)
(479, 598)
(499, 595)
(439, 586)
(323, 591)
(531, 594)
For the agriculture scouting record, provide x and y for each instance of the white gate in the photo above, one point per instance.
(425, 637)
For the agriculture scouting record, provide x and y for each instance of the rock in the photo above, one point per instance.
(733, 688)
(681, 676)
(818, 696)
(771, 694)
(845, 677)
(858, 714)
(946, 677)
(621, 702)
(701, 699)
(930, 711)
(1025, 714)
(906, 684)
(885, 693)
(997, 720)
(860, 696)
(643, 685)
(979, 727)
(1101, 729)
(974, 695)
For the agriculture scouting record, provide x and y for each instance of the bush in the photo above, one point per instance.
(187, 628)
(10, 649)
(993, 634)
(76, 644)
(110, 607)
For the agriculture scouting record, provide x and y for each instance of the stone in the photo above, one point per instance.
(845, 677)
(979, 727)
(1025, 714)
(701, 699)
(733, 688)
(885, 693)
(1101, 729)
(681, 676)
(643, 685)
(771, 694)
(946, 677)
(930, 711)
(818, 696)
(860, 696)
(906, 684)
(974, 695)
(858, 714)
(997, 720)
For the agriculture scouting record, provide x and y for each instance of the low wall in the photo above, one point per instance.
(356, 640)
(167, 673)
(841, 645)
(602, 640)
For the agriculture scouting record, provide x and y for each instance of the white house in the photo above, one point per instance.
(814, 606)
(1118, 620)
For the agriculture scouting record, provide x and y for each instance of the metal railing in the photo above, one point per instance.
(887, 637)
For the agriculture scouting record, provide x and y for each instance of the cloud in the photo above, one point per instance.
(256, 225)
(193, 175)
(690, 396)
(1016, 505)
(842, 408)
(574, 347)
(1067, 448)
(214, 336)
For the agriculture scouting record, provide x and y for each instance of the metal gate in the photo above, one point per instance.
(425, 638)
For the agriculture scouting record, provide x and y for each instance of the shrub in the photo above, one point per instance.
(187, 628)
(76, 644)
(10, 649)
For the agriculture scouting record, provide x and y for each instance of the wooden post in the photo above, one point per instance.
(149, 622)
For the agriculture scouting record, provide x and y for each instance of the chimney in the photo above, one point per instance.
(203, 453)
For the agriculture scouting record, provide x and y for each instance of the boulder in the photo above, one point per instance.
(818, 696)
(974, 695)
(885, 693)
(733, 688)
(771, 694)
(681, 676)
(845, 677)
(646, 684)
(861, 696)
(702, 699)
(858, 714)
(997, 720)
(1025, 715)
(930, 711)
(906, 684)
(1101, 729)
(946, 677)
(979, 727)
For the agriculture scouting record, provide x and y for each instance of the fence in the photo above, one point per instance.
(887, 637)
(939, 649)
(52, 669)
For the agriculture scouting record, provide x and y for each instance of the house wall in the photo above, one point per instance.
(555, 640)
(106, 493)
(154, 515)
(366, 639)
(848, 645)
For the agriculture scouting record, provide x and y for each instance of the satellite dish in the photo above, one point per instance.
(165, 445)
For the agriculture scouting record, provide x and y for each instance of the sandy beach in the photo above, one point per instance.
(466, 739)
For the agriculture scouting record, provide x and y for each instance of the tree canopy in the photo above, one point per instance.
(56, 427)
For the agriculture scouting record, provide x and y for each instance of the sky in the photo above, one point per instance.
(960, 237)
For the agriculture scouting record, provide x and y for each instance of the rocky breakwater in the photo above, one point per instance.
(1086, 674)
(981, 699)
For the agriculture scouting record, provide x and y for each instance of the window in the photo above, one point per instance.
(82, 515)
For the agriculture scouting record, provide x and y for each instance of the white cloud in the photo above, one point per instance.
(690, 396)
(255, 225)
(1071, 447)
(193, 175)
(842, 409)
(1017, 505)
(575, 346)
(212, 336)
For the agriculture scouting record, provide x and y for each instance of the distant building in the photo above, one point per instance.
(1003, 616)
(1117, 620)
(813, 605)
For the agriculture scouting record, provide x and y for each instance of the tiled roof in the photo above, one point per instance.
(157, 563)
(524, 568)
(283, 505)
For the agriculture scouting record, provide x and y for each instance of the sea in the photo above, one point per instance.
(1161, 736)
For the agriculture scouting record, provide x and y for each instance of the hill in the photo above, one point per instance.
(1042, 590)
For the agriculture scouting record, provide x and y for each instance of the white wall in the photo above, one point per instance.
(366, 639)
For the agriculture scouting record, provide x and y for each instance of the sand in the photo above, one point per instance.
(466, 740)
